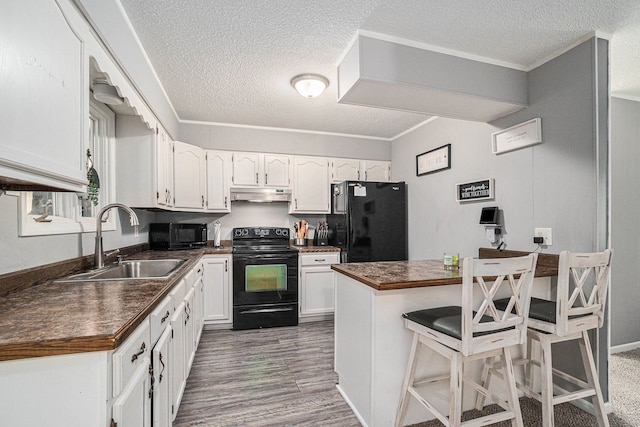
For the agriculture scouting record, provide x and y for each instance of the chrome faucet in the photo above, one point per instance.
(98, 256)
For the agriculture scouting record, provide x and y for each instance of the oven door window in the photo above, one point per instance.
(265, 278)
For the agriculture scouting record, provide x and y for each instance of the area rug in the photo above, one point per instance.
(624, 386)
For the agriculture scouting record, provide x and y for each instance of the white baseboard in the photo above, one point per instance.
(214, 326)
(315, 318)
(624, 347)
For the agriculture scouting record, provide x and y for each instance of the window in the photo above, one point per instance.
(43, 212)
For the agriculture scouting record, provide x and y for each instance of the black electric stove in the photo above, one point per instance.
(265, 278)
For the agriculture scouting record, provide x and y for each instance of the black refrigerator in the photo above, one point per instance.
(368, 221)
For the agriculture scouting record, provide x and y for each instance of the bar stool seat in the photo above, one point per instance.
(578, 308)
(474, 330)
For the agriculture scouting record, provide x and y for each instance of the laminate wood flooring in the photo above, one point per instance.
(265, 377)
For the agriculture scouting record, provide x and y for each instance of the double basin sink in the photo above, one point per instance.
(130, 269)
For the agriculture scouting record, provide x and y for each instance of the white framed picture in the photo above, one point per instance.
(517, 137)
(433, 160)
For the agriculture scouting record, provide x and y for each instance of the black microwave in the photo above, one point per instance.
(169, 236)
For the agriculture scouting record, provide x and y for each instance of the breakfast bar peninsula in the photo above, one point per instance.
(371, 343)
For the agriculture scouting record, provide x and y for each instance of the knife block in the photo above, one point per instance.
(321, 241)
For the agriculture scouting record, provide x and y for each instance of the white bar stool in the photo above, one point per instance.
(473, 331)
(579, 307)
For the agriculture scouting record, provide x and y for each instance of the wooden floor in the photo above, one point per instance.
(265, 377)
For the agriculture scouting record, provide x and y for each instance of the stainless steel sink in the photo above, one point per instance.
(131, 269)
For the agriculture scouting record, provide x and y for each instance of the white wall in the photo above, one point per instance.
(625, 235)
(220, 137)
(437, 222)
(18, 253)
(554, 184)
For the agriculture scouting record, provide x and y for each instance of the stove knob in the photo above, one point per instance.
(237, 232)
(245, 232)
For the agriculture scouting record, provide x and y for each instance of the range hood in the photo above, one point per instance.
(260, 195)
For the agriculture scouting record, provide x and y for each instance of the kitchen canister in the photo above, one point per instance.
(451, 261)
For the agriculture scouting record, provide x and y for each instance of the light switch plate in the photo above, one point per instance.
(545, 233)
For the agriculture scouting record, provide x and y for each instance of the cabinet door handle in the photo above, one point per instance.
(365, 175)
(226, 263)
(153, 380)
(296, 203)
(266, 179)
(164, 318)
(134, 357)
(320, 260)
(225, 201)
(163, 366)
(203, 201)
(256, 177)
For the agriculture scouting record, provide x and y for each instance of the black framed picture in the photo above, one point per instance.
(433, 160)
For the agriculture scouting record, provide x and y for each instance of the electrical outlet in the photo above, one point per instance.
(545, 233)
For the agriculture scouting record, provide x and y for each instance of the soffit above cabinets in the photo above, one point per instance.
(383, 74)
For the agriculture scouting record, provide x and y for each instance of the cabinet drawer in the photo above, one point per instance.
(130, 355)
(319, 258)
(159, 319)
(190, 278)
(178, 292)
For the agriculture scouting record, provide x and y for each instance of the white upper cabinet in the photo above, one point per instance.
(311, 185)
(375, 170)
(144, 165)
(164, 169)
(261, 170)
(277, 170)
(246, 169)
(345, 170)
(188, 177)
(45, 97)
(218, 181)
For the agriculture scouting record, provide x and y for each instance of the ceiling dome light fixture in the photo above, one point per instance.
(310, 85)
(105, 93)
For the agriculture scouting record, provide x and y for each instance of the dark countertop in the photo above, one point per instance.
(50, 318)
(391, 275)
(311, 248)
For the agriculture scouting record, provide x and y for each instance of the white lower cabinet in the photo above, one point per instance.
(177, 357)
(189, 331)
(162, 380)
(140, 384)
(132, 380)
(217, 279)
(316, 293)
(132, 407)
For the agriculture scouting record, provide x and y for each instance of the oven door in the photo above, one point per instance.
(265, 278)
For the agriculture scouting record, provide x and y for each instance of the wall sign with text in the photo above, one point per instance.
(434, 160)
(476, 190)
(517, 137)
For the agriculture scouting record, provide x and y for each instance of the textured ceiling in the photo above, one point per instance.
(230, 61)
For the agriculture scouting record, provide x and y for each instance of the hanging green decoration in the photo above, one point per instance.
(94, 180)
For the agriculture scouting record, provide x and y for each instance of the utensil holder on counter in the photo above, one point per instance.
(300, 242)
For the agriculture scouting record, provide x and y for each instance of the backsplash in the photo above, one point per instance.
(243, 215)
